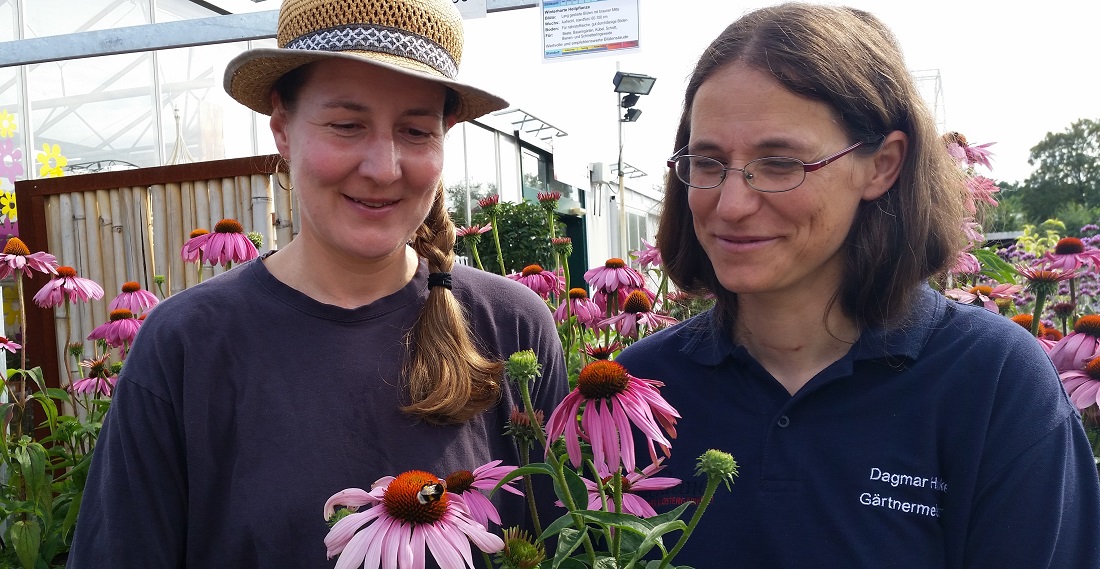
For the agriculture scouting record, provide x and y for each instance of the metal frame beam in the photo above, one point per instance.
(165, 35)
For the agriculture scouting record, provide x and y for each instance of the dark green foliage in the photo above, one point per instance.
(1068, 171)
(523, 238)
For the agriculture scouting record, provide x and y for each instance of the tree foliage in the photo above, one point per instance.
(1067, 171)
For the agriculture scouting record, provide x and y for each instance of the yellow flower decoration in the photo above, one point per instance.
(7, 206)
(49, 153)
(11, 310)
(7, 124)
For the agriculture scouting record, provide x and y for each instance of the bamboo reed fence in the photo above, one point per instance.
(117, 227)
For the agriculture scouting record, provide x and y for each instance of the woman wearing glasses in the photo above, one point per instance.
(876, 423)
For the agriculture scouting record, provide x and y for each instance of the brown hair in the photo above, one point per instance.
(849, 60)
(448, 380)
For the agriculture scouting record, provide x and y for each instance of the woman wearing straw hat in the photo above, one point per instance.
(359, 350)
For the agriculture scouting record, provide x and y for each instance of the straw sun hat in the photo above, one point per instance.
(421, 38)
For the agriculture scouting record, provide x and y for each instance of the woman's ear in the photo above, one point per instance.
(887, 165)
(278, 122)
(449, 121)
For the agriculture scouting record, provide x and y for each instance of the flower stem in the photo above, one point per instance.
(712, 485)
(525, 459)
(1040, 300)
(496, 241)
(567, 499)
(475, 255)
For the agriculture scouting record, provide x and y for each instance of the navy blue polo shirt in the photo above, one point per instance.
(946, 442)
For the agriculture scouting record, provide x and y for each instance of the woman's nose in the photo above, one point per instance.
(381, 160)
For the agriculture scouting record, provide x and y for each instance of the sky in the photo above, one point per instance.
(1008, 75)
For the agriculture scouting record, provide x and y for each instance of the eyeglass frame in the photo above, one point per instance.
(806, 167)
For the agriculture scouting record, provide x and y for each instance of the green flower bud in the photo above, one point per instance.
(520, 550)
(715, 463)
(523, 366)
(256, 239)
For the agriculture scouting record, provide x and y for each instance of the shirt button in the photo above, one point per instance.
(783, 421)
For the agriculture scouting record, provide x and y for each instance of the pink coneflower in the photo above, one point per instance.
(100, 379)
(227, 244)
(612, 400)
(985, 295)
(648, 256)
(1025, 320)
(9, 345)
(539, 280)
(1079, 346)
(633, 482)
(614, 276)
(552, 196)
(67, 287)
(473, 230)
(578, 304)
(637, 311)
(133, 298)
(601, 352)
(980, 189)
(119, 331)
(1070, 253)
(966, 154)
(1083, 385)
(966, 264)
(489, 202)
(410, 512)
(465, 485)
(192, 249)
(601, 297)
(16, 257)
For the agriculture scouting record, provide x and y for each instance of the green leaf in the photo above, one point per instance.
(670, 515)
(653, 537)
(533, 468)
(995, 267)
(48, 406)
(568, 542)
(70, 516)
(553, 529)
(577, 490)
(606, 563)
(57, 393)
(26, 537)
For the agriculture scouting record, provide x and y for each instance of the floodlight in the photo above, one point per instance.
(632, 115)
(630, 100)
(634, 83)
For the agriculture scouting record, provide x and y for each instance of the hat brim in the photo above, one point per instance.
(250, 76)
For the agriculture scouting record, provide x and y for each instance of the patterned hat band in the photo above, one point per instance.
(369, 37)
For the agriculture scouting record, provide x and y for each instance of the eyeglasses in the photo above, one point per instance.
(772, 174)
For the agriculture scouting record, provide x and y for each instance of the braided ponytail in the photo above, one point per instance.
(449, 380)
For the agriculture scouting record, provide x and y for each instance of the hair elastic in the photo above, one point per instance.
(439, 279)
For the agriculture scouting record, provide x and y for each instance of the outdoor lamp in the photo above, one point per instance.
(634, 83)
(632, 115)
(630, 100)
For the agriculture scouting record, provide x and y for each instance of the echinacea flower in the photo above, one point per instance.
(227, 244)
(966, 264)
(489, 203)
(16, 257)
(637, 312)
(633, 482)
(1083, 385)
(614, 276)
(540, 280)
(409, 512)
(1045, 278)
(67, 287)
(1070, 253)
(133, 298)
(100, 380)
(119, 331)
(520, 427)
(648, 256)
(578, 304)
(601, 352)
(980, 189)
(9, 345)
(473, 231)
(192, 249)
(984, 294)
(1079, 346)
(465, 485)
(612, 400)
